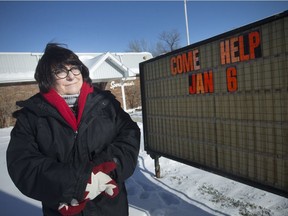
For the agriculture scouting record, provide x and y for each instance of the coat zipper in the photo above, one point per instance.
(75, 134)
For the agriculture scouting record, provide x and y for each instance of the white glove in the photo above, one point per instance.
(100, 182)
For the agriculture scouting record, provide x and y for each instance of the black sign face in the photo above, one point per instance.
(221, 105)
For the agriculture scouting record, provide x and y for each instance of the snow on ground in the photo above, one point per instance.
(181, 191)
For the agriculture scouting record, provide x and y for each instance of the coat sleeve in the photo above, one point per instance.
(37, 176)
(124, 148)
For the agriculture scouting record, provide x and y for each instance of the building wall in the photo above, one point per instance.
(132, 92)
(10, 93)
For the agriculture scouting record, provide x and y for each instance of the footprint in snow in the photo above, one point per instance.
(169, 199)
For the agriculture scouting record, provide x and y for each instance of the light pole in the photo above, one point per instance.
(186, 19)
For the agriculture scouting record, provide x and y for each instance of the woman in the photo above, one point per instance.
(72, 147)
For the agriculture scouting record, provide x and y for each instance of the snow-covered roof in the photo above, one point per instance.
(20, 67)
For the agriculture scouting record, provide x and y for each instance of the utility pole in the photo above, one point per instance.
(186, 19)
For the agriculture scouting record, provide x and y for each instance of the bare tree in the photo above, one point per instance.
(167, 41)
(138, 46)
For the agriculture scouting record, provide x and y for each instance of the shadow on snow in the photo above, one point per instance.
(13, 206)
(154, 200)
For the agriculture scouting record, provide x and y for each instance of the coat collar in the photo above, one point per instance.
(53, 98)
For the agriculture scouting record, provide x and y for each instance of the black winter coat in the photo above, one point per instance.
(50, 162)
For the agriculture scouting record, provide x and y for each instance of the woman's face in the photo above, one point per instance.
(70, 84)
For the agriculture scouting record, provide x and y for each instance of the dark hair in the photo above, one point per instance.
(54, 56)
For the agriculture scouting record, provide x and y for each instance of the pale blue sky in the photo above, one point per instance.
(101, 26)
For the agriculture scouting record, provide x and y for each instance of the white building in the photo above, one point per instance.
(103, 67)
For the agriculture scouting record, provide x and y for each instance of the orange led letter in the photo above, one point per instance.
(243, 57)
(225, 52)
(187, 62)
(172, 66)
(199, 84)
(254, 42)
(208, 82)
(231, 77)
(234, 49)
(192, 84)
(196, 62)
(179, 64)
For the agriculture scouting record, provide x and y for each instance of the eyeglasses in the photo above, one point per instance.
(63, 72)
